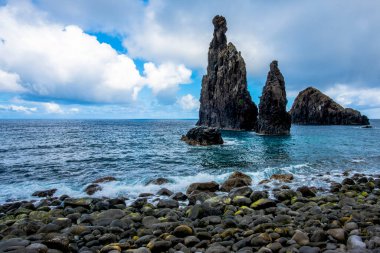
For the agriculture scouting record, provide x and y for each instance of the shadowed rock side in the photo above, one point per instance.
(203, 136)
(273, 117)
(225, 100)
(313, 107)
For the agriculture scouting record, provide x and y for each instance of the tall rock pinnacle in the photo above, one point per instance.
(225, 100)
(273, 117)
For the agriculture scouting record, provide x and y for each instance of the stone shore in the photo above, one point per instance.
(211, 218)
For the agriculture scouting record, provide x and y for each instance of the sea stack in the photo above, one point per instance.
(312, 107)
(273, 117)
(225, 100)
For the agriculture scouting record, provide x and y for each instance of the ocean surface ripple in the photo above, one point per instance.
(70, 154)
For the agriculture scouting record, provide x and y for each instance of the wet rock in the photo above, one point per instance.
(217, 249)
(139, 203)
(306, 191)
(273, 117)
(355, 242)
(337, 233)
(158, 181)
(36, 248)
(182, 231)
(241, 201)
(164, 192)
(348, 181)
(57, 241)
(206, 186)
(199, 197)
(92, 188)
(301, 238)
(263, 203)
(308, 249)
(44, 193)
(190, 241)
(167, 203)
(235, 180)
(285, 195)
(311, 106)
(104, 180)
(203, 136)
(158, 246)
(225, 100)
(282, 177)
(241, 191)
(179, 196)
(256, 195)
(6, 245)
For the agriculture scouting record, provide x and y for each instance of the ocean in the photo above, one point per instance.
(70, 154)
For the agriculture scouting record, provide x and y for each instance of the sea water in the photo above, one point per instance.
(70, 154)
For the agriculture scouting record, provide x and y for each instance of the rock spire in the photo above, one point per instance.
(273, 117)
(225, 100)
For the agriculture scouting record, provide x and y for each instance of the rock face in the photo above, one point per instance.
(315, 108)
(203, 136)
(225, 100)
(273, 117)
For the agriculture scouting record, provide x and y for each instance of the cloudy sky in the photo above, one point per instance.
(145, 59)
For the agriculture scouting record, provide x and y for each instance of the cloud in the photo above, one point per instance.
(349, 95)
(18, 108)
(166, 76)
(64, 62)
(188, 102)
(52, 108)
(319, 43)
(10, 82)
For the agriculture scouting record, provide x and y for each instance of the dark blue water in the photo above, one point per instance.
(69, 154)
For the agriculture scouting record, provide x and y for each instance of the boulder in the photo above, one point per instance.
(44, 193)
(273, 117)
(104, 180)
(235, 180)
(225, 100)
(92, 188)
(205, 186)
(312, 107)
(203, 136)
(282, 177)
(158, 181)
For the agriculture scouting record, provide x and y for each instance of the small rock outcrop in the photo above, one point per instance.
(312, 107)
(203, 136)
(273, 117)
(225, 100)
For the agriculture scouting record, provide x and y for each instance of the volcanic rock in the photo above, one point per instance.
(312, 107)
(225, 100)
(203, 136)
(273, 117)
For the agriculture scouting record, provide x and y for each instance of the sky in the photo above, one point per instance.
(135, 59)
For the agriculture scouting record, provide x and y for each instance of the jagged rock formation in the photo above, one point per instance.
(273, 117)
(203, 136)
(225, 100)
(313, 107)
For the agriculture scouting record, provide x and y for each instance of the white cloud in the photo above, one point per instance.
(74, 110)
(166, 76)
(349, 95)
(64, 62)
(53, 108)
(188, 102)
(10, 82)
(18, 108)
(318, 42)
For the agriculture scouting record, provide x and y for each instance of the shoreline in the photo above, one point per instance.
(346, 219)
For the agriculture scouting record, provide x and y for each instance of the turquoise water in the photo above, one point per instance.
(69, 154)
